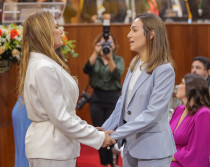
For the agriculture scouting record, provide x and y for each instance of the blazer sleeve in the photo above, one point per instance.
(197, 151)
(52, 100)
(158, 105)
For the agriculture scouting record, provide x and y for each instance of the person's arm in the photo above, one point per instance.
(111, 63)
(95, 54)
(88, 68)
(116, 67)
(89, 11)
(196, 152)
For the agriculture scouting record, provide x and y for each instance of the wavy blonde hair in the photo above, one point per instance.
(37, 37)
(158, 49)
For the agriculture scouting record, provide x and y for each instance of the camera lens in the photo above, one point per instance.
(106, 48)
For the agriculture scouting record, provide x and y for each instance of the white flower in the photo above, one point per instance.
(18, 46)
(8, 37)
(3, 40)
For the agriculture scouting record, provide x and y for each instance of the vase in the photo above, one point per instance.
(4, 65)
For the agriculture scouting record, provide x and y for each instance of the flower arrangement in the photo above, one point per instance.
(68, 47)
(10, 42)
(11, 38)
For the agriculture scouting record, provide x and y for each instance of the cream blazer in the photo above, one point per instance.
(50, 96)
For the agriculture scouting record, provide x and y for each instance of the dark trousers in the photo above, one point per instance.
(102, 105)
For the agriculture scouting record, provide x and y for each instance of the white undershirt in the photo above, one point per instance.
(136, 73)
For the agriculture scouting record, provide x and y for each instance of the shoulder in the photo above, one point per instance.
(177, 112)
(42, 64)
(204, 111)
(179, 109)
(164, 69)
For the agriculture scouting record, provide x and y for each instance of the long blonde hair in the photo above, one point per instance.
(158, 49)
(37, 37)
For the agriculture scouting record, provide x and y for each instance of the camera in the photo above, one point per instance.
(85, 98)
(106, 47)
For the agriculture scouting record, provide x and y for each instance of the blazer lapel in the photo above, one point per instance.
(138, 83)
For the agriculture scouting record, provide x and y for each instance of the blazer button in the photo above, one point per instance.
(129, 112)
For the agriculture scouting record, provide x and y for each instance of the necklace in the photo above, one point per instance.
(200, 10)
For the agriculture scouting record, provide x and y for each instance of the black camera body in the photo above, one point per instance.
(106, 46)
(85, 98)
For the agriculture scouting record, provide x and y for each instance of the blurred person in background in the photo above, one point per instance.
(105, 71)
(20, 123)
(200, 9)
(93, 11)
(190, 123)
(136, 7)
(96, 11)
(69, 11)
(200, 66)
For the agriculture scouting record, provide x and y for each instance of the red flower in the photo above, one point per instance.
(65, 39)
(0, 32)
(13, 33)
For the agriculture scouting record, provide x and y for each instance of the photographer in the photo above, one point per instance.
(105, 71)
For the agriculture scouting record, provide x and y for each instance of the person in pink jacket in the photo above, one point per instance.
(190, 123)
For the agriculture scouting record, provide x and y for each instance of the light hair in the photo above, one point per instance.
(158, 49)
(37, 37)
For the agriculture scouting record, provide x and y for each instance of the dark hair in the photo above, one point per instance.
(100, 36)
(196, 90)
(203, 60)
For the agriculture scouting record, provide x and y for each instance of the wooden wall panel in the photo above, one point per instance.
(186, 41)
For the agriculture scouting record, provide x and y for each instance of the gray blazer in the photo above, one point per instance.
(147, 131)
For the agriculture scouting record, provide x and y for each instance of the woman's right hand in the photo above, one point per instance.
(108, 140)
(98, 48)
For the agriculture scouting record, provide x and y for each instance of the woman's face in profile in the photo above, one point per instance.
(181, 91)
(137, 37)
(57, 34)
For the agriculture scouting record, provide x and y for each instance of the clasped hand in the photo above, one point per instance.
(108, 140)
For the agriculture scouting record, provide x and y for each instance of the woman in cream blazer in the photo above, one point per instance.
(50, 94)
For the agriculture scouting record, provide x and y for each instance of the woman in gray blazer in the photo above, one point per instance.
(140, 118)
(50, 95)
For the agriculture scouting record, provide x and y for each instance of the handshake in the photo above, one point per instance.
(108, 140)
